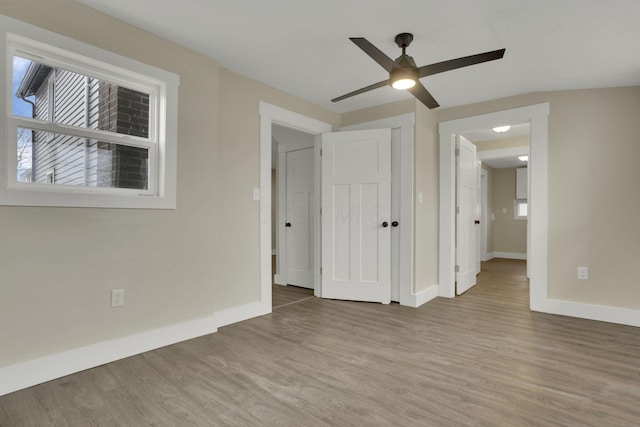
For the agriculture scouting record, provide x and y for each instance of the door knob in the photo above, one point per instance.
(395, 223)
(385, 224)
(288, 224)
(477, 221)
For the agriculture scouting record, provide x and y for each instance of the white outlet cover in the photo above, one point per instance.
(117, 298)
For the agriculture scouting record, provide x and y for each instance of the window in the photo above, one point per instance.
(521, 209)
(85, 127)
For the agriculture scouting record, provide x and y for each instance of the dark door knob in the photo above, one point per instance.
(395, 223)
(288, 224)
(477, 221)
(385, 224)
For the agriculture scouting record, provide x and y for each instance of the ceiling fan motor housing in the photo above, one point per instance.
(403, 73)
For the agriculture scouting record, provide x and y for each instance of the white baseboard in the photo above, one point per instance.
(244, 312)
(488, 257)
(423, 297)
(274, 252)
(277, 279)
(27, 374)
(623, 316)
(510, 255)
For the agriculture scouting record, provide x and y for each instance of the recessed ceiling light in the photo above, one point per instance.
(523, 158)
(501, 129)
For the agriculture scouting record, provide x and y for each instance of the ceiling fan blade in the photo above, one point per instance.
(465, 61)
(363, 90)
(423, 95)
(375, 53)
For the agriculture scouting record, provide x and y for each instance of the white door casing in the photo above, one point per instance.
(269, 115)
(478, 216)
(396, 211)
(484, 216)
(356, 209)
(300, 217)
(466, 200)
(538, 116)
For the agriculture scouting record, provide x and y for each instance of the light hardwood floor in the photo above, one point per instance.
(284, 295)
(479, 359)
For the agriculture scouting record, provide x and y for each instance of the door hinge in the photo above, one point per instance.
(321, 271)
(457, 151)
(321, 151)
(457, 209)
(457, 269)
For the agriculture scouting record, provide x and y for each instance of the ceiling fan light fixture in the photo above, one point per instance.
(501, 129)
(401, 84)
(402, 78)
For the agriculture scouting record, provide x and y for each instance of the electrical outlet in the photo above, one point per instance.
(117, 297)
(583, 273)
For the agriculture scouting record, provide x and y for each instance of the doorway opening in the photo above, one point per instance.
(292, 214)
(271, 115)
(501, 212)
(537, 117)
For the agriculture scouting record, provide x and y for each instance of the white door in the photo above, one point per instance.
(356, 224)
(466, 230)
(300, 217)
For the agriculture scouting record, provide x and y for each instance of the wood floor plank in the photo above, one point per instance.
(481, 359)
(285, 295)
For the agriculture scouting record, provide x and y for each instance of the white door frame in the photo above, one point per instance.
(537, 116)
(406, 124)
(484, 215)
(270, 114)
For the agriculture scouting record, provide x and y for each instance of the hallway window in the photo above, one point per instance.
(521, 209)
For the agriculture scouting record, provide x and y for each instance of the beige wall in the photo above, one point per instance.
(490, 206)
(59, 264)
(509, 234)
(238, 275)
(379, 112)
(593, 199)
(426, 157)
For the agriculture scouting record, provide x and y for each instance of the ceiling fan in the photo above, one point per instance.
(403, 72)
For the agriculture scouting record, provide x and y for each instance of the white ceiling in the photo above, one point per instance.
(302, 47)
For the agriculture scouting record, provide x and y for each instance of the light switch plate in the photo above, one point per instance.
(583, 273)
(256, 194)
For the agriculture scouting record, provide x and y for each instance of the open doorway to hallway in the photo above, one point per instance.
(292, 215)
(502, 204)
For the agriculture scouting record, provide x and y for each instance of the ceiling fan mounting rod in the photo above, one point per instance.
(403, 40)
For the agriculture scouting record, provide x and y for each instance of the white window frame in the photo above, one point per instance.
(516, 203)
(58, 51)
